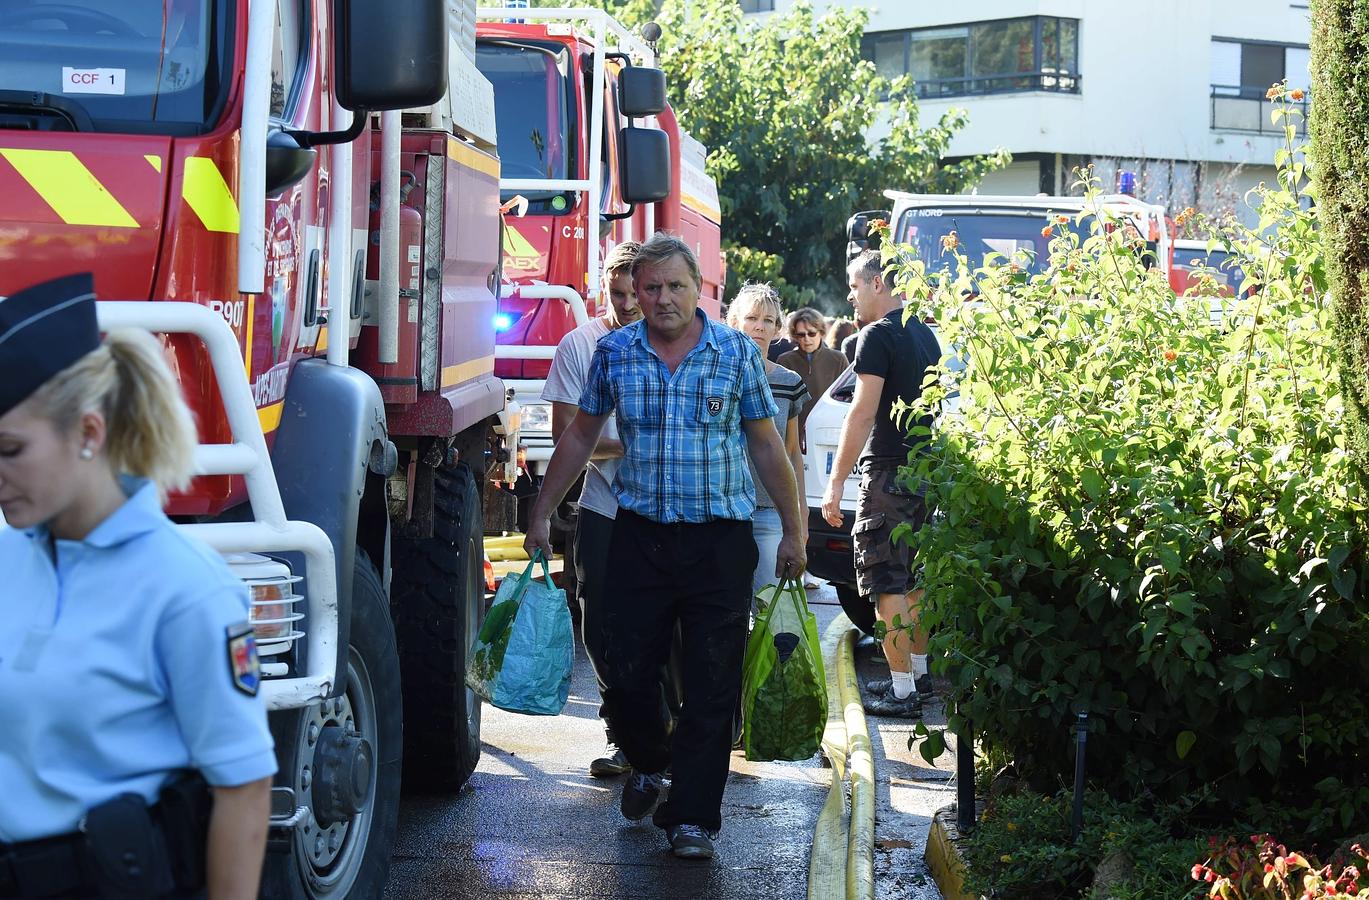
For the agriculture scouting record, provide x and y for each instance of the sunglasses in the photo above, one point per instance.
(804, 334)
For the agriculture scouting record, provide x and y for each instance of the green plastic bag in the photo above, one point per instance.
(521, 660)
(784, 687)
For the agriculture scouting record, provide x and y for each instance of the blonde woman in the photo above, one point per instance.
(756, 313)
(127, 667)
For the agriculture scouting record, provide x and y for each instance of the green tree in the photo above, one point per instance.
(783, 106)
(1340, 129)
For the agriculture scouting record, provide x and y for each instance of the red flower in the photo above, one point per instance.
(1331, 890)
(1198, 869)
(1209, 875)
(1269, 867)
(1046, 232)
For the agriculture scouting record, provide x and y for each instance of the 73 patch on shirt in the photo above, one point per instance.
(244, 668)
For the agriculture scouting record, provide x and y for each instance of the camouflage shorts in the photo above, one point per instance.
(882, 566)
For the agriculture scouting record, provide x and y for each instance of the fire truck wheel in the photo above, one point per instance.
(860, 610)
(342, 757)
(438, 587)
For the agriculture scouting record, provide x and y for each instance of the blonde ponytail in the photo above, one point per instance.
(149, 430)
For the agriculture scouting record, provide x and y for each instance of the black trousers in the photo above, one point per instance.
(696, 576)
(592, 535)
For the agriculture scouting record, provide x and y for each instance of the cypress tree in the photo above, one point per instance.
(1339, 127)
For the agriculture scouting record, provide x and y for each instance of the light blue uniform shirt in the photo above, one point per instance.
(115, 671)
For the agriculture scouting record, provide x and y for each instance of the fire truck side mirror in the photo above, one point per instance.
(644, 165)
(286, 162)
(641, 91)
(390, 55)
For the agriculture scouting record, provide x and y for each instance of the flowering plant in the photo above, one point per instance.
(1144, 509)
(1265, 870)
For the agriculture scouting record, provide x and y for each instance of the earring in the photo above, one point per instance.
(87, 453)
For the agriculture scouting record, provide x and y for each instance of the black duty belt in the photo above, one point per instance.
(52, 867)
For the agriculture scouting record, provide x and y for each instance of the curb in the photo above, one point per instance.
(943, 856)
(841, 863)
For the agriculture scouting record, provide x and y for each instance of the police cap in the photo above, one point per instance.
(43, 330)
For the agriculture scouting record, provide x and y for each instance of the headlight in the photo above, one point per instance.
(273, 611)
(537, 418)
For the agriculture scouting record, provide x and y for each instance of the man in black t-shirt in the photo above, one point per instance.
(893, 354)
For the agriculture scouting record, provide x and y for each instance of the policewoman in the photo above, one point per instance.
(128, 676)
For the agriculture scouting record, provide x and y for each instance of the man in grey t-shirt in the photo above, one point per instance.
(598, 505)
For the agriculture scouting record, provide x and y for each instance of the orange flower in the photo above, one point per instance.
(1273, 92)
(950, 241)
(1297, 94)
(1184, 216)
(1046, 232)
(1170, 356)
(1062, 220)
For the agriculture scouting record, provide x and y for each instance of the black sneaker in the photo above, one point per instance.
(923, 683)
(640, 793)
(691, 841)
(613, 762)
(887, 705)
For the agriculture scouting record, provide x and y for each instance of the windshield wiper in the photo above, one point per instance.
(37, 111)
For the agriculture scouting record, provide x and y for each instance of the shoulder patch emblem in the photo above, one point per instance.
(244, 668)
(714, 405)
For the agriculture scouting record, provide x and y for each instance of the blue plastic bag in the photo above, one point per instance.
(521, 659)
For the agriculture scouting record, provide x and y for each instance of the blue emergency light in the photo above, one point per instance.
(1126, 183)
(502, 321)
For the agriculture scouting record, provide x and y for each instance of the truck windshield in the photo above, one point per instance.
(135, 66)
(1015, 235)
(532, 114)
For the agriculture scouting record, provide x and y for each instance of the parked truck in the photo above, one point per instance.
(324, 280)
(589, 141)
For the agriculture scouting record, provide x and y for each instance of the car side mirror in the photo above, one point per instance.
(286, 162)
(641, 91)
(644, 163)
(390, 55)
(858, 236)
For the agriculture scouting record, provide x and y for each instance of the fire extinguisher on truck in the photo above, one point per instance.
(340, 363)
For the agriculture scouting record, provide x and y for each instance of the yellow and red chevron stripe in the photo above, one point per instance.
(104, 189)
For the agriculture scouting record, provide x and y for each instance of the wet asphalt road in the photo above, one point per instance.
(532, 823)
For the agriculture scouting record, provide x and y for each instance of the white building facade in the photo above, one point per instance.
(1173, 90)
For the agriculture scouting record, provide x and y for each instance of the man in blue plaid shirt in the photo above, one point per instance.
(692, 400)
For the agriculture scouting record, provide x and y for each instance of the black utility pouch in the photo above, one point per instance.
(126, 849)
(183, 810)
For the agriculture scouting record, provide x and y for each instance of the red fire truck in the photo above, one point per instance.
(216, 165)
(587, 138)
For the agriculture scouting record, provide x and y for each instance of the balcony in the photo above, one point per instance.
(1245, 109)
(1007, 83)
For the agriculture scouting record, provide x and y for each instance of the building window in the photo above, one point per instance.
(1035, 53)
(750, 6)
(1242, 73)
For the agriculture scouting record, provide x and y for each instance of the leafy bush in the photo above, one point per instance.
(1151, 516)
(1022, 850)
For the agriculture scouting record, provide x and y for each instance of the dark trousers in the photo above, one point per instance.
(696, 576)
(592, 535)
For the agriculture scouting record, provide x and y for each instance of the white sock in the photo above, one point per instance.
(919, 664)
(903, 685)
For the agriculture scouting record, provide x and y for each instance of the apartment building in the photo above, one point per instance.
(1173, 90)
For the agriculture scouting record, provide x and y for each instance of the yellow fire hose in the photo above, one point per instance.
(841, 863)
